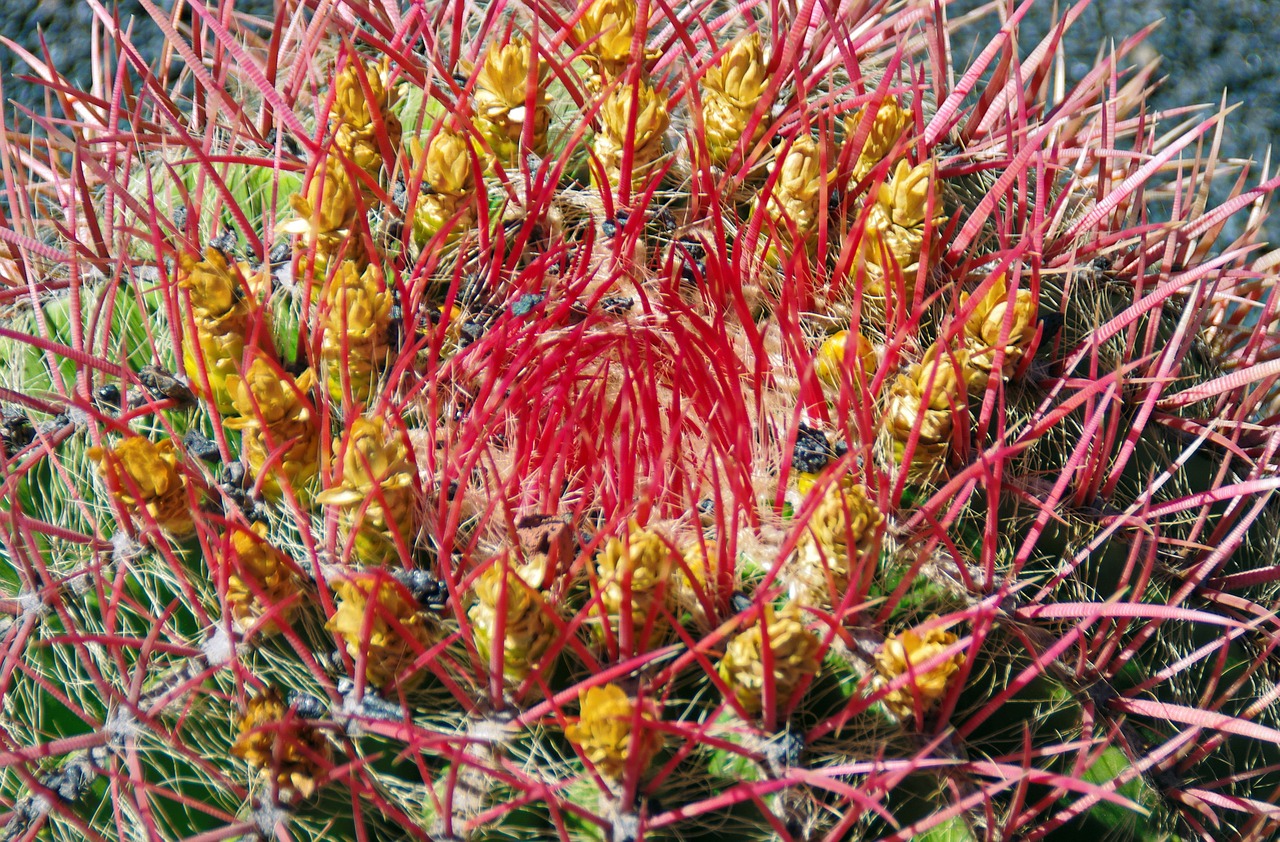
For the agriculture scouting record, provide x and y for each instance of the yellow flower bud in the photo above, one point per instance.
(501, 104)
(144, 475)
(375, 492)
(906, 196)
(363, 148)
(644, 136)
(798, 189)
(357, 333)
(282, 747)
(448, 186)
(223, 316)
(448, 165)
(397, 629)
(221, 354)
(705, 562)
(795, 657)
(614, 731)
(907, 653)
(324, 216)
(829, 362)
(928, 394)
(356, 131)
(896, 227)
(985, 327)
(824, 556)
(273, 411)
(633, 576)
(608, 28)
(264, 396)
(528, 630)
(261, 579)
(731, 90)
(351, 106)
(888, 124)
(330, 202)
(212, 285)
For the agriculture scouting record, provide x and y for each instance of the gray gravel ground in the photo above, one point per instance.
(1209, 46)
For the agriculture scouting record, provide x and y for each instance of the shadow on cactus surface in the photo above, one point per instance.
(494, 421)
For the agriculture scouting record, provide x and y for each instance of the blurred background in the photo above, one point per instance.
(1209, 46)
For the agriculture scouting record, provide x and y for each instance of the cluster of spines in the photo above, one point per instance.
(638, 581)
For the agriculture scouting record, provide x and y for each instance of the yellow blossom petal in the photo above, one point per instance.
(795, 657)
(985, 332)
(731, 90)
(909, 652)
(146, 476)
(607, 734)
(377, 618)
(281, 747)
(501, 102)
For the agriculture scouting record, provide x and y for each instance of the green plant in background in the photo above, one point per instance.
(619, 421)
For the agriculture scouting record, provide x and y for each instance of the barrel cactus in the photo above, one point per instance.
(620, 421)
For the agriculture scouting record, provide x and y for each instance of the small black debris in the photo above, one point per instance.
(617, 305)
(226, 242)
(232, 475)
(280, 254)
(163, 385)
(69, 782)
(691, 271)
(107, 396)
(430, 592)
(476, 324)
(289, 144)
(692, 248)
(664, 218)
(812, 451)
(202, 447)
(948, 149)
(372, 706)
(308, 706)
(525, 303)
(16, 433)
(1053, 322)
